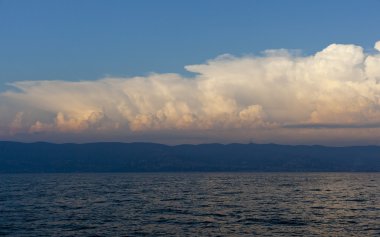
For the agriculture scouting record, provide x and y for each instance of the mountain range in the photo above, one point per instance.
(41, 157)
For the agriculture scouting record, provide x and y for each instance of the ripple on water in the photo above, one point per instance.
(207, 204)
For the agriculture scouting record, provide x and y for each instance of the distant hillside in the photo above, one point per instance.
(148, 157)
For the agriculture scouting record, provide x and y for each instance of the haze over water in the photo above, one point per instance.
(190, 204)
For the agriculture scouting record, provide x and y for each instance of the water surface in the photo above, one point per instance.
(190, 204)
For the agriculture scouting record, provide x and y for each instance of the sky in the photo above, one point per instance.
(289, 72)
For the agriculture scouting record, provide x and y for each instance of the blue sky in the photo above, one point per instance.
(68, 71)
(86, 40)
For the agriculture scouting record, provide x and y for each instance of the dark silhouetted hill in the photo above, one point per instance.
(148, 157)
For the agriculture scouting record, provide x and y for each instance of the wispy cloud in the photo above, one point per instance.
(331, 125)
(229, 98)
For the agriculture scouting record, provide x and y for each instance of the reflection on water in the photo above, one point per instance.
(190, 204)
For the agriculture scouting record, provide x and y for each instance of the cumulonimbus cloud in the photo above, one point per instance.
(277, 96)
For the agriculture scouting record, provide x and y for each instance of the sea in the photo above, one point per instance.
(190, 204)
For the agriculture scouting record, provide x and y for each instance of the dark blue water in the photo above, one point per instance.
(190, 204)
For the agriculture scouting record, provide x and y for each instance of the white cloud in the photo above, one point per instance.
(229, 99)
(377, 45)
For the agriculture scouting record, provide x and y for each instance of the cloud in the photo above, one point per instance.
(278, 96)
(332, 125)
